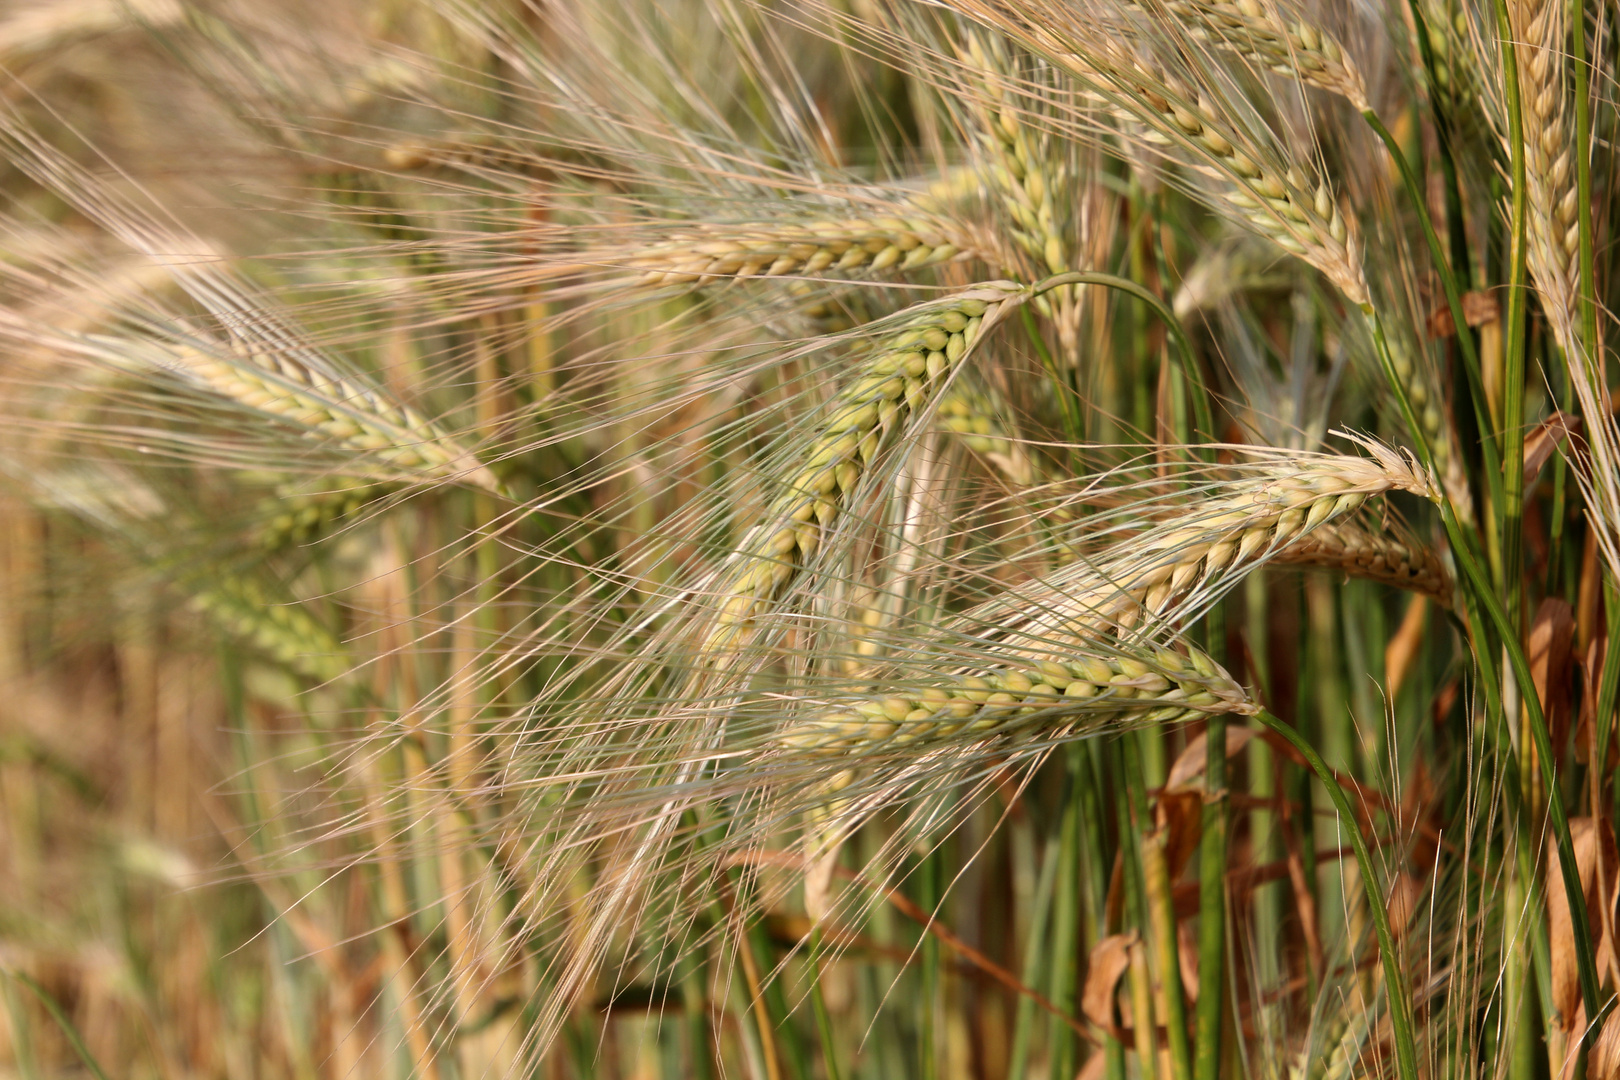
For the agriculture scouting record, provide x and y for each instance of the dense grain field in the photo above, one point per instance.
(799, 539)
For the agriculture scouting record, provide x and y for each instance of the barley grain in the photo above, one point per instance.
(899, 380)
(1089, 691)
(1391, 559)
(710, 253)
(338, 407)
(1259, 31)
(1280, 199)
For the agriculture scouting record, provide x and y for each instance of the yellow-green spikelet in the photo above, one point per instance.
(1103, 689)
(898, 380)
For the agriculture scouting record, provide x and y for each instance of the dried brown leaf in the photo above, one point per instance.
(1403, 648)
(1405, 893)
(1478, 308)
(1180, 814)
(1104, 969)
(1586, 727)
(1603, 1061)
(1594, 841)
(1189, 764)
(1552, 640)
(1187, 958)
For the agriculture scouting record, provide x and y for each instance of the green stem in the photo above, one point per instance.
(1212, 905)
(1483, 593)
(69, 1032)
(1158, 902)
(1511, 509)
(1035, 951)
(1184, 351)
(1609, 685)
(1400, 1002)
(1066, 918)
(829, 1046)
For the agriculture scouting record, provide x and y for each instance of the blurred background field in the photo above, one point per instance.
(389, 389)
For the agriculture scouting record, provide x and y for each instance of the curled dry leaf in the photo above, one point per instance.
(1402, 649)
(1405, 893)
(1544, 439)
(1180, 816)
(1105, 967)
(1603, 1060)
(1552, 640)
(1189, 764)
(1478, 308)
(1594, 848)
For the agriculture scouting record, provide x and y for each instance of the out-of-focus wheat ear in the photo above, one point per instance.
(42, 30)
(973, 416)
(296, 517)
(1091, 690)
(303, 390)
(1246, 264)
(710, 253)
(1282, 200)
(899, 380)
(1388, 558)
(1258, 30)
(1455, 80)
(284, 631)
(1429, 407)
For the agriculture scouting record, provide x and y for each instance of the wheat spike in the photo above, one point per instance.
(301, 517)
(1258, 31)
(283, 631)
(1552, 198)
(1174, 570)
(899, 380)
(1095, 690)
(710, 253)
(1030, 178)
(308, 393)
(1029, 175)
(1456, 79)
(972, 416)
(1388, 558)
(1280, 200)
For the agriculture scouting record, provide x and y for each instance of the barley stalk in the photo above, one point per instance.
(1257, 31)
(899, 380)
